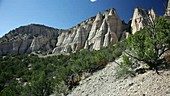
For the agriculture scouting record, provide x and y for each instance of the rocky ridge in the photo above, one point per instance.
(93, 34)
(27, 39)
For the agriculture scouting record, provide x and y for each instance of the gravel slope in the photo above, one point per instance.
(104, 83)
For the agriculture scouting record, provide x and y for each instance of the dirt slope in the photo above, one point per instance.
(104, 83)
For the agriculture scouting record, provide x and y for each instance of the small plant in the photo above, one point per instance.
(125, 67)
(60, 88)
(117, 53)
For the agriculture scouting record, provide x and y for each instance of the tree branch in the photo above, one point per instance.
(143, 60)
(163, 52)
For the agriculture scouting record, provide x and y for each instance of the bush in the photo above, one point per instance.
(125, 67)
(149, 44)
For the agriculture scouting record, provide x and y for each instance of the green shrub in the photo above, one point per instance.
(124, 68)
(149, 44)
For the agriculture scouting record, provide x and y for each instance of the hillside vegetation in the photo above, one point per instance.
(30, 75)
(25, 75)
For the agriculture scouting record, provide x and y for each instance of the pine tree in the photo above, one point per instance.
(149, 44)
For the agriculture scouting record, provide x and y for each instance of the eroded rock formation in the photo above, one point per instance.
(141, 18)
(27, 39)
(94, 33)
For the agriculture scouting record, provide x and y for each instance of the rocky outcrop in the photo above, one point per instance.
(27, 39)
(93, 34)
(74, 38)
(141, 18)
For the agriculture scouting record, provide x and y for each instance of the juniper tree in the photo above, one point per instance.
(149, 44)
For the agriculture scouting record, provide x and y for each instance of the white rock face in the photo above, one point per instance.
(94, 33)
(142, 18)
(167, 12)
(96, 25)
(109, 31)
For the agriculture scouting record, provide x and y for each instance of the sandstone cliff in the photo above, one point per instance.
(141, 18)
(27, 39)
(94, 33)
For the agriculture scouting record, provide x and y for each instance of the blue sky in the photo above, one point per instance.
(64, 14)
